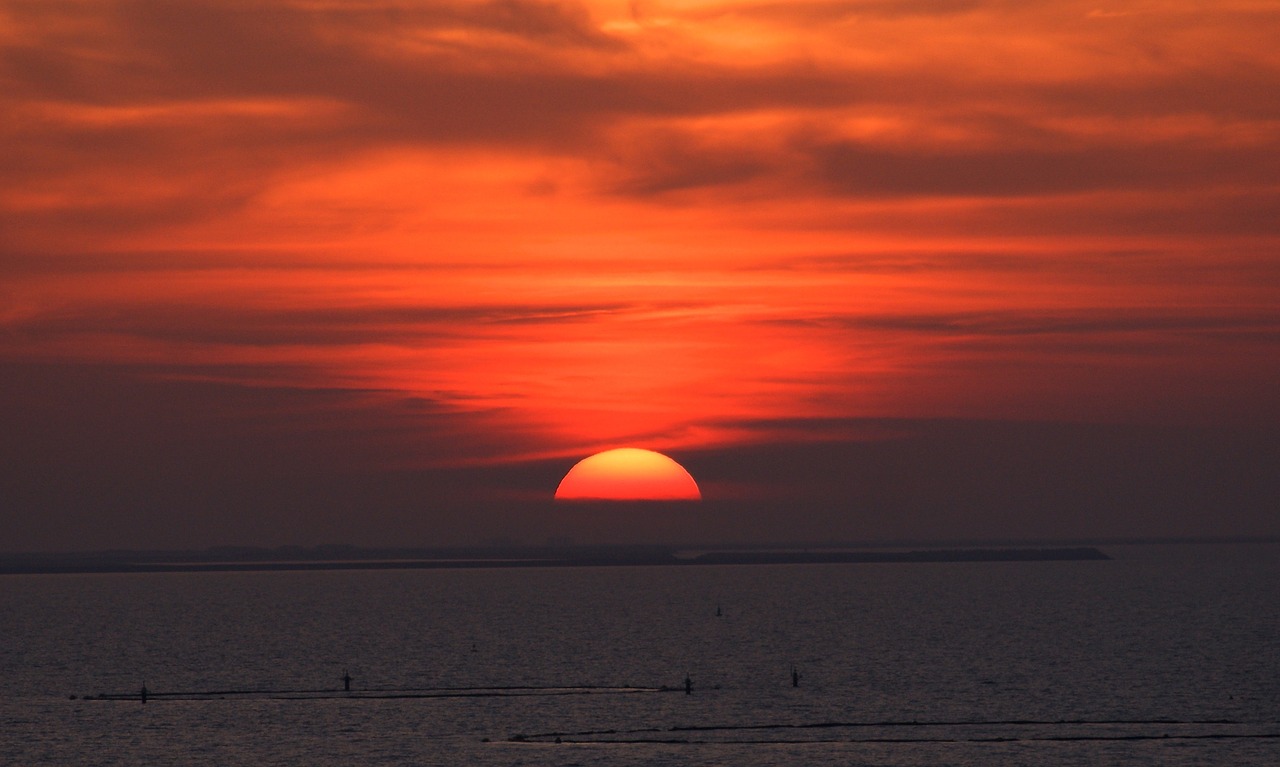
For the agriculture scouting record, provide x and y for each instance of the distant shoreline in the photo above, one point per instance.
(122, 562)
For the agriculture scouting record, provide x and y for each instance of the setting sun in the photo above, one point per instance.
(628, 474)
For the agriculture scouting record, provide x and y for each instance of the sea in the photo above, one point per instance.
(1163, 655)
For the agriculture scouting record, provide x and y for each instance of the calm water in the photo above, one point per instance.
(1075, 663)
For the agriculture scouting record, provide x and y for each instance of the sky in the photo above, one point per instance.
(299, 272)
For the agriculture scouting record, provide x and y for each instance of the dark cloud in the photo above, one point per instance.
(97, 456)
(1084, 322)
(1197, 213)
(192, 50)
(248, 326)
(1117, 265)
(531, 74)
(863, 169)
(836, 11)
(931, 480)
(675, 162)
(1227, 89)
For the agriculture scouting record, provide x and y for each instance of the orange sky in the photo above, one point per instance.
(479, 234)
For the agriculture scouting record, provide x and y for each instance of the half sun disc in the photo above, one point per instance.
(628, 474)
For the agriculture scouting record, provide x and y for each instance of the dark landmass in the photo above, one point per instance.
(244, 559)
(923, 555)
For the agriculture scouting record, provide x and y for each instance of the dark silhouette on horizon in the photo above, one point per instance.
(351, 558)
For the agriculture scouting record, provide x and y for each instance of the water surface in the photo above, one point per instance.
(1040, 663)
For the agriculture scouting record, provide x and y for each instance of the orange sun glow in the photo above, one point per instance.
(628, 474)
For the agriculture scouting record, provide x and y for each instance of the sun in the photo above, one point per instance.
(628, 474)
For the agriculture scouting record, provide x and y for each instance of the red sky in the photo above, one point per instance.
(381, 272)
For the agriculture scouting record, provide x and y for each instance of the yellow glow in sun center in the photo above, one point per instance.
(628, 474)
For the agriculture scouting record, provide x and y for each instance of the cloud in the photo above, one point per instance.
(1084, 322)
(143, 114)
(878, 172)
(834, 11)
(310, 326)
(922, 479)
(104, 455)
